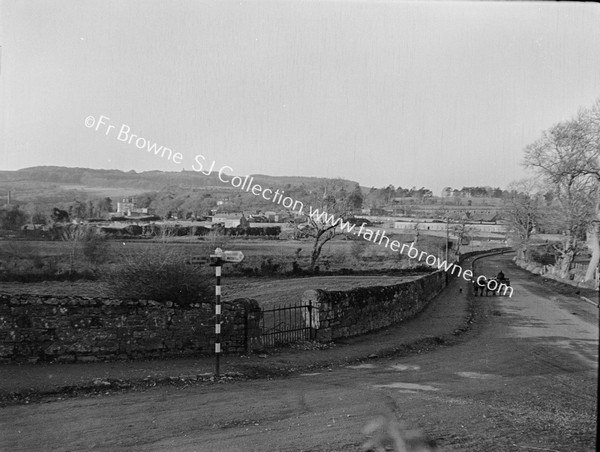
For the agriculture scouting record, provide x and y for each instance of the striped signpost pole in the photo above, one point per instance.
(218, 318)
(217, 260)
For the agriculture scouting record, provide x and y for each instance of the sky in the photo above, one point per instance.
(429, 94)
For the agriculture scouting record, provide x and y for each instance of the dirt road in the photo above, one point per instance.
(523, 379)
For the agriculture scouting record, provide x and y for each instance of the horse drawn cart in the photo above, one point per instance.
(495, 286)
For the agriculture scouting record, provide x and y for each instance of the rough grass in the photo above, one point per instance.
(40, 266)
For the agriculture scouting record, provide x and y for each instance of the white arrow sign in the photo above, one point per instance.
(233, 256)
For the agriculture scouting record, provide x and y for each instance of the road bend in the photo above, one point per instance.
(523, 379)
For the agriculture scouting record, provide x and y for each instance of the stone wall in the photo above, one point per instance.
(502, 249)
(357, 311)
(67, 329)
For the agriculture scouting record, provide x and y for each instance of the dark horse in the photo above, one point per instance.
(480, 286)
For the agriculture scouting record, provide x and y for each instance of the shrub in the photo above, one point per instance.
(543, 257)
(86, 240)
(160, 273)
(12, 218)
(296, 270)
(267, 267)
(95, 247)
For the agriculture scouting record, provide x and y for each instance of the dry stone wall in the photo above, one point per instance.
(338, 314)
(69, 329)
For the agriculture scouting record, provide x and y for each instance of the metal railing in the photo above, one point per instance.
(286, 324)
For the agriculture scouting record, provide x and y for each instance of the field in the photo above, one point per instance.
(265, 274)
(336, 254)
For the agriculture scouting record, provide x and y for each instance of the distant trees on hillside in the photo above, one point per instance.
(413, 192)
(103, 206)
(474, 192)
(355, 199)
(379, 197)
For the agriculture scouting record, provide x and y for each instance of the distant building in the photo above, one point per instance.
(441, 226)
(127, 208)
(35, 227)
(231, 220)
(485, 218)
(375, 211)
(257, 218)
(282, 226)
(224, 201)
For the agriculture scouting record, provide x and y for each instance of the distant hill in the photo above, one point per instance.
(57, 183)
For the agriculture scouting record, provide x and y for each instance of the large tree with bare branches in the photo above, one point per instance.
(566, 156)
(332, 197)
(523, 213)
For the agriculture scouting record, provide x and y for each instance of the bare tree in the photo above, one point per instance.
(331, 197)
(567, 157)
(216, 238)
(74, 235)
(463, 232)
(573, 214)
(591, 125)
(523, 213)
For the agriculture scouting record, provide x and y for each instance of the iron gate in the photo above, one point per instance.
(286, 324)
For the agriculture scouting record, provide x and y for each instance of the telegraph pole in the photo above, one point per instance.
(447, 239)
(447, 235)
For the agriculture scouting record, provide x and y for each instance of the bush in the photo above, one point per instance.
(267, 267)
(542, 257)
(95, 247)
(160, 273)
(12, 218)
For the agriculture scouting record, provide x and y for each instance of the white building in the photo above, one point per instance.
(435, 226)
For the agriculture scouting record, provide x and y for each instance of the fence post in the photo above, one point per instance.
(310, 320)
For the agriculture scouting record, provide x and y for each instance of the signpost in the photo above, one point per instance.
(233, 257)
(198, 260)
(217, 260)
